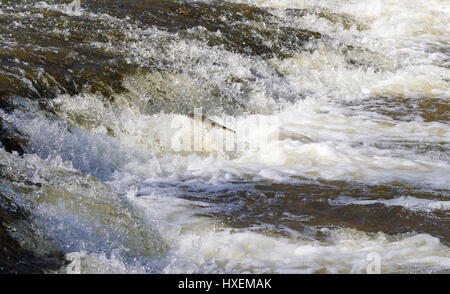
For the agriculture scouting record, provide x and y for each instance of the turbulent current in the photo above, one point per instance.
(340, 156)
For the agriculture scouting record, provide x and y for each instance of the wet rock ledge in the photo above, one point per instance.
(16, 231)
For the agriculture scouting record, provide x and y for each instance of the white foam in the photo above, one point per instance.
(203, 245)
(408, 202)
(131, 149)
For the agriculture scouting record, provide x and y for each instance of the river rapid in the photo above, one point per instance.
(340, 157)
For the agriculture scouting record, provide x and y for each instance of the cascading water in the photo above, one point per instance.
(345, 101)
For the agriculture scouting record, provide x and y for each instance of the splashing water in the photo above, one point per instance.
(346, 102)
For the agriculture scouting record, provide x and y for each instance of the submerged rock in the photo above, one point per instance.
(46, 52)
(235, 26)
(16, 230)
(346, 20)
(9, 141)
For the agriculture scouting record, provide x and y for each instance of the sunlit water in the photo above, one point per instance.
(352, 134)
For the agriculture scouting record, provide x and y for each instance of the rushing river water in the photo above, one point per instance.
(341, 152)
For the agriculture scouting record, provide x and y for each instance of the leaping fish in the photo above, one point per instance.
(208, 122)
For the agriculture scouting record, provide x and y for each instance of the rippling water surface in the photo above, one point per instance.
(347, 103)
